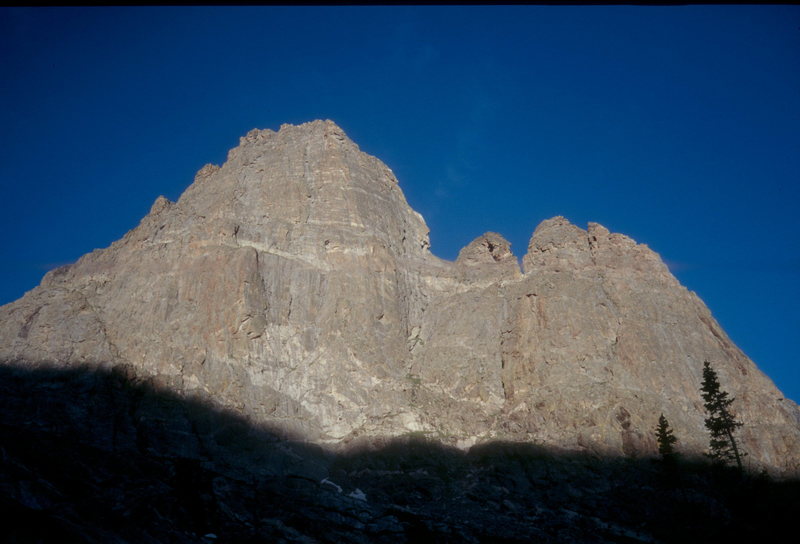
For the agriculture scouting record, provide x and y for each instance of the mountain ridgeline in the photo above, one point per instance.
(294, 286)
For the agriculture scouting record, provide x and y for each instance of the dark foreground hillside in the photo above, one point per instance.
(95, 456)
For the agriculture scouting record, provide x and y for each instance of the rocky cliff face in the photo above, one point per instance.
(294, 285)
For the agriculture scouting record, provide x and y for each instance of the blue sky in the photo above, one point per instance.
(678, 126)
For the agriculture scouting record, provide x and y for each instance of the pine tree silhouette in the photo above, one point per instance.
(721, 423)
(665, 439)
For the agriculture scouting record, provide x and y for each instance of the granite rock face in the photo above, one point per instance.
(294, 286)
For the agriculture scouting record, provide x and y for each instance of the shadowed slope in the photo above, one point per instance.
(95, 456)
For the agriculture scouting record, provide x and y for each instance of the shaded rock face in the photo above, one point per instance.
(96, 456)
(294, 285)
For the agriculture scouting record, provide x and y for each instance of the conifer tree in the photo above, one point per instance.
(721, 423)
(665, 439)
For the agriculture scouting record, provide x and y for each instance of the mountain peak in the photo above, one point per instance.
(294, 285)
(324, 128)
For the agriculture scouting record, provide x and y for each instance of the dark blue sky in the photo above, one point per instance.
(678, 126)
